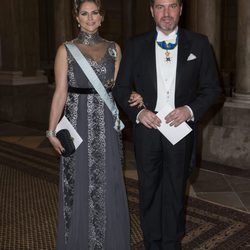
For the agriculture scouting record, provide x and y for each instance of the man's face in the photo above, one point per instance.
(166, 14)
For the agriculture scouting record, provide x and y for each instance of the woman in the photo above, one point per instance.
(93, 211)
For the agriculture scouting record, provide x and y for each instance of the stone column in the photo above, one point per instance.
(143, 20)
(204, 16)
(19, 28)
(243, 52)
(0, 52)
(63, 21)
(22, 83)
(229, 143)
(127, 20)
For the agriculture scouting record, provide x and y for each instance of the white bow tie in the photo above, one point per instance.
(161, 38)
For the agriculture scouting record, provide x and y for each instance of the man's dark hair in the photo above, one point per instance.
(152, 2)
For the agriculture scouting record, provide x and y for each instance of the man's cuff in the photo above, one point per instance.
(137, 120)
(191, 114)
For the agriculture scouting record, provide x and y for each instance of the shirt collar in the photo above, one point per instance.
(170, 37)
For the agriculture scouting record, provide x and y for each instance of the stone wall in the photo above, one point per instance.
(228, 143)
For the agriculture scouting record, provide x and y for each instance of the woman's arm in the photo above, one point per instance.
(118, 59)
(60, 95)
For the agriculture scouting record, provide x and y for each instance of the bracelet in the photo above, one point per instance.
(50, 133)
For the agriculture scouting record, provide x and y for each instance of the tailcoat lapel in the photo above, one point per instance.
(183, 52)
(150, 63)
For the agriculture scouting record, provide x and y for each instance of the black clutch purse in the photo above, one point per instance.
(66, 140)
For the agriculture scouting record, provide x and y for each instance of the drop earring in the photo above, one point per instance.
(78, 25)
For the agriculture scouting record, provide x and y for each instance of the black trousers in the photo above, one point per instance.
(162, 172)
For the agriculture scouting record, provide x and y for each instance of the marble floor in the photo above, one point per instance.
(219, 184)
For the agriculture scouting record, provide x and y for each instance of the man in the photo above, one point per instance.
(181, 73)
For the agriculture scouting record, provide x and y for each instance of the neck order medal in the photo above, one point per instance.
(168, 47)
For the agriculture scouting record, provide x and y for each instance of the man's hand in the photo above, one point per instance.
(178, 116)
(149, 119)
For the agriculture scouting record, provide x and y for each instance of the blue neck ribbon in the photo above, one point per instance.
(168, 46)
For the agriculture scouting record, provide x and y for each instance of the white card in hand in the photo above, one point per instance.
(173, 134)
(65, 124)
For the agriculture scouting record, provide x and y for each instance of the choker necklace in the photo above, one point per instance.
(88, 39)
(167, 47)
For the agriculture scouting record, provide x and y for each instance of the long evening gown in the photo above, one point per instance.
(93, 212)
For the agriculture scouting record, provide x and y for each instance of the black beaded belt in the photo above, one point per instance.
(84, 91)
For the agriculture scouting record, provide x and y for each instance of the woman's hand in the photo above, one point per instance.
(56, 144)
(136, 99)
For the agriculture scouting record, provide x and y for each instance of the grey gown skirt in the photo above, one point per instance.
(93, 211)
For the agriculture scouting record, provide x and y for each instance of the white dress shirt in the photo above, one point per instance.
(166, 70)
